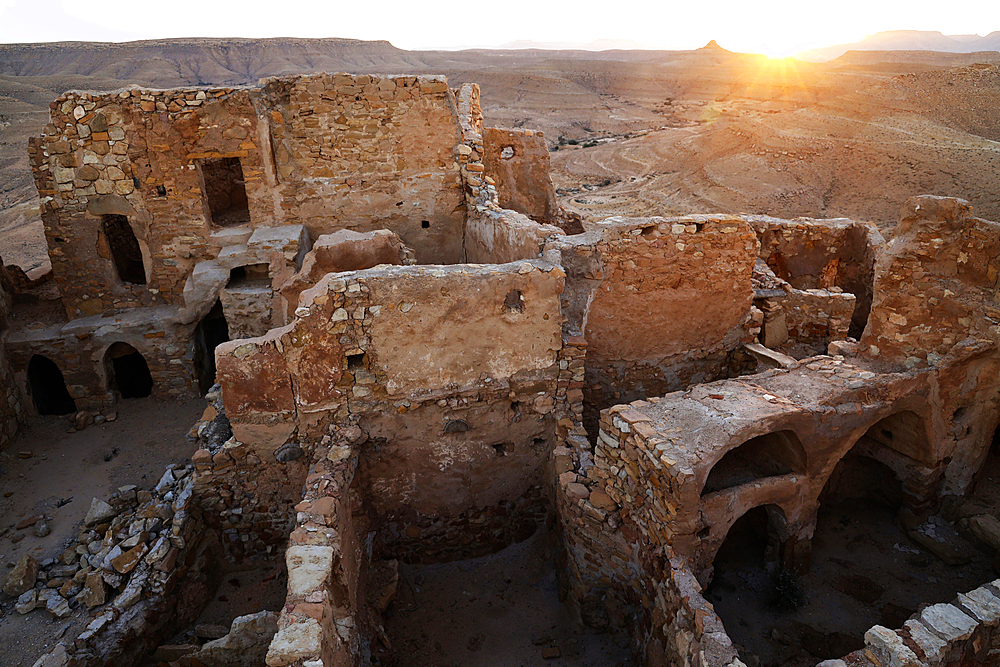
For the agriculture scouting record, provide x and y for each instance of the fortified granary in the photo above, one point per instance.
(413, 355)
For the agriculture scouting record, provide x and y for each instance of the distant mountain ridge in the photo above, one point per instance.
(908, 40)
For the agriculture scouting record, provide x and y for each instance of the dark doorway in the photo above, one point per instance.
(124, 247)
(128, 373)
(48, 389)
(209, 334)
(225, 192)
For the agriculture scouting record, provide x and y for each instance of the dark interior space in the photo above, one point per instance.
(225, 192)
(209, 334)
(903, 432)
(124, 247)
(251, 275)
(128, 373)
(767, 455)
(48, 388)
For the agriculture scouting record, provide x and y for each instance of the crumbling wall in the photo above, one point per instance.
(12, 407)
(823, 254)
(517, 162)
(661, 302)
(498, 237)
(934, 284)
(365, 153)
(450, 373)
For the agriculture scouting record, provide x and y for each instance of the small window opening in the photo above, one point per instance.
(128, 373)
(161, 191)
(503, 448)
(124, 247)
(135, 182)
(48, 388)
(514, 303)
(225, 192)
(425, 224)
(356, 362)
(456, 426)
(251, 275)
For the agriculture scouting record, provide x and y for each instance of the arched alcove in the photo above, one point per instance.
(903, 432)
(124, 248)
(209, 334)
(128, 373)
(768, 455)
(48, 388)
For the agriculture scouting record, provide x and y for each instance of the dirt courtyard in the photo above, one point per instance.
(64, 472)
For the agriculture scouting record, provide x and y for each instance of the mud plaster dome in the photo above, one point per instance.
(417, 373)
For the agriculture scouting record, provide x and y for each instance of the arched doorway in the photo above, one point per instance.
(768, 455)
(749, 590)
(209, 334)
(128, 373)
(124, 248)
(48, 388)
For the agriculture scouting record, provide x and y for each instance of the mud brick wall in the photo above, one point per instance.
(661, 302)
(935, 284)
(450, 373)
(367, 153)
(518, 163)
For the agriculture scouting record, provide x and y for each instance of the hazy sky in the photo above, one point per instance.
(776, 27)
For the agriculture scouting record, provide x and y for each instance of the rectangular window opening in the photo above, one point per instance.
(225, 192)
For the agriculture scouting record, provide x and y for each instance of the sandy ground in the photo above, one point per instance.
(497, 611)
(148, 434)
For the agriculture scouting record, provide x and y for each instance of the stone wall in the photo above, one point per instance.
(80, 348)
(518, 163)
(12, 406)
(935, 284)
(498, 237)
(365, 153)
(963, 632)
(326, 151)
(661, 302)
(821, 254)
(450, 373)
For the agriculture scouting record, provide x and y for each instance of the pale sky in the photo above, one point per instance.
(775, 27)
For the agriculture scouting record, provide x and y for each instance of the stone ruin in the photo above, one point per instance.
(418, 360)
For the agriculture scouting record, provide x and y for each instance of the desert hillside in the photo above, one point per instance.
(631, 132)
